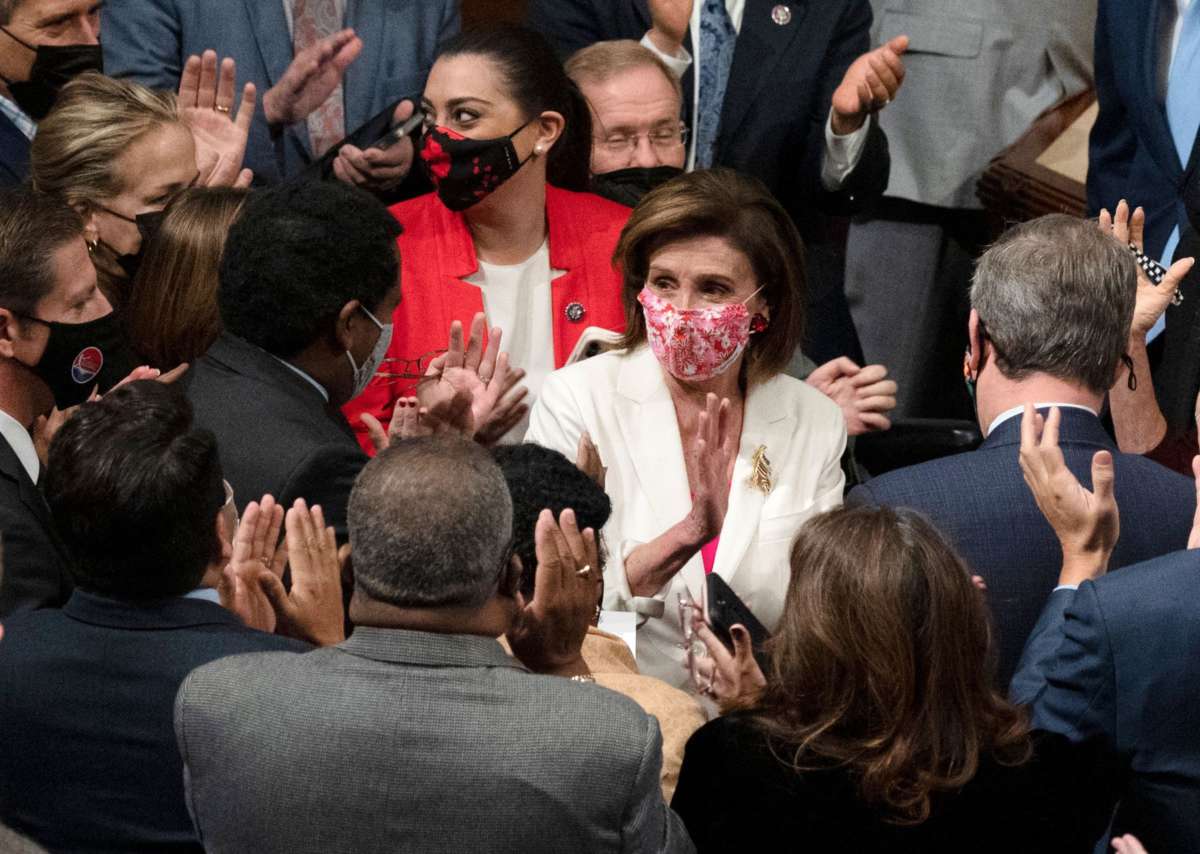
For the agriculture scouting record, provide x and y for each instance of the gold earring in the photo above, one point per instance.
(92, 246)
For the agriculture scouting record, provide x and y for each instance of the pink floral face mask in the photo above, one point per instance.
(695, 344)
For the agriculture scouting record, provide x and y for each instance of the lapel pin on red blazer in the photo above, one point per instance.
(575, 312)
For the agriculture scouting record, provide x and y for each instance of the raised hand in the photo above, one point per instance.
(865, 395)
(206, 105)
(312, 609)
(869, 85)
(1128, 844)
(548, 634)
(732, 679)
(1152, 299)
(1087, 524)
(311, 78)
(254, 553)
(374, 168)
(587, 460)
(713, 454)
(669, 21)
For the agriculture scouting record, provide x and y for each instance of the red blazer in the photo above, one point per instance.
(436, 254)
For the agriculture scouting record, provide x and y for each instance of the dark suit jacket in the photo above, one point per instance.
(36, 571)
(1118, 665)
(89, 760)
(735, 795)
(149, 40)
(979, 500)
(14, 153)
(275, 432)
(411, 741)
(772, 121)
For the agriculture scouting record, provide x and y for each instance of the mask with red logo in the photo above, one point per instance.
(695, 344)
(464, 170)
(81, 356)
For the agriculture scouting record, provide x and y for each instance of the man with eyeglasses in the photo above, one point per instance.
(43, 44)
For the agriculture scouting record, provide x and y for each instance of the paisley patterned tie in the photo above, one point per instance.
(313, 20)
(717, 41)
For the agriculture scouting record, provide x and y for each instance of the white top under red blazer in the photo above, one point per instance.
(621, 400)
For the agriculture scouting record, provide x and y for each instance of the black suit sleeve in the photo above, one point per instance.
(34, 573)
(870, 177)
(571, 25)
(325, 477)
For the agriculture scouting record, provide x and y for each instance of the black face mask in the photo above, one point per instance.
(53, 67)
(627, 186)
(81, 356)
(148, 225)
(465, 170)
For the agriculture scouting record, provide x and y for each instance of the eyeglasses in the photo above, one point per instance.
(408, 369)
(663, 139)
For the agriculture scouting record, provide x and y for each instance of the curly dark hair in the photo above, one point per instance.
(539, 479)
(297, 254)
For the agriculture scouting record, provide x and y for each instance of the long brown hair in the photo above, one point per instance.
(883, 663)
(740, 209)
(172, 314)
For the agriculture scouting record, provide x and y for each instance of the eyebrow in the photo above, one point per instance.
(67, 16)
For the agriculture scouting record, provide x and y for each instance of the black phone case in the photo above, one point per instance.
(726, 610)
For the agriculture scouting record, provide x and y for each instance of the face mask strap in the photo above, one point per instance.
(18, 39)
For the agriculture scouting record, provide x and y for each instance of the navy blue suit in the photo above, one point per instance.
(14, 153)
(980, 502)
(777, 101)
(149, 40)
(90, 761)
(1117, 665)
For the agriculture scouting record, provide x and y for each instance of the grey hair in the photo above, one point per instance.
(431, 524)
(1056, 296)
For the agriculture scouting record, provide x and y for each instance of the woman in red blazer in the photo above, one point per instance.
(505, 130)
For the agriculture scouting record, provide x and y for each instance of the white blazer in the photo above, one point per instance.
(622, 401)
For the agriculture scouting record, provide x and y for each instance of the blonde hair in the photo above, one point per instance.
(94, 120)
(172, 314)
(602, 61)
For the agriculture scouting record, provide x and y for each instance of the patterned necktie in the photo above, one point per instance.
(717, 40)
(313, 20)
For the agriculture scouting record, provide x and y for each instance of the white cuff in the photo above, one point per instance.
(842, 154)
(1065, 587)
(679, 63)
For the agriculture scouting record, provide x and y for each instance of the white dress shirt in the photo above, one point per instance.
(517, 299)
(621, 400)
(1017, 410)
(304, 375)
(21, 442)
(18, 117)
(842, 153)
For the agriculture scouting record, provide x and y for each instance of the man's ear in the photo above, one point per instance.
(974, 343)
(510, 580)
(224, 537)
(342, 332)
(9, 331)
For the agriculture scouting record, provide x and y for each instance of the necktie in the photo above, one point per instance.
(717, 41)
(1183, 113)
(313, 20)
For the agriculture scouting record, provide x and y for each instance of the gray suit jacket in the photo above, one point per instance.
(410, 741)
(149, 40)
(978, 73)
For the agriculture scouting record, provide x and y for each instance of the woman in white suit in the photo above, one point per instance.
(714, 457)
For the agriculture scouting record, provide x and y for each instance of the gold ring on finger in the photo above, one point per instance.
(587, 567)
(221, 109)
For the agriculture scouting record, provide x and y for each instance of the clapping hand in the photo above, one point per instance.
(732, 679)
(311, 78)
(548, 634)
(312, 609)
(1152, 299)
(865, 395)
(870, 84)
(374, 168)
(1128, 844)
(669, 22)
(255, 553)
(1087, 523)
(714, 452)
(206, 105)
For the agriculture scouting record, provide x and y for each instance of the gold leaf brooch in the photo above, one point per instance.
(760, 471)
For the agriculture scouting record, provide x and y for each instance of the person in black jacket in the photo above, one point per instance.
(878, 729)
(90, 761)
(308, 283)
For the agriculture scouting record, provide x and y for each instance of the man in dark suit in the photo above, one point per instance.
(785, 94)
(136, 491)
(1051, 307)
(1114, 661)
(309, 281)
(277, 45)
(63, 36)
(419, 733)
(46, 277)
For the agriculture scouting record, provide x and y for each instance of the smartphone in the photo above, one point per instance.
(399, 132)
(726, 610)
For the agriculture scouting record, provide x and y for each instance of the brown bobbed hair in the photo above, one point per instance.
(740, 209)
(883, 663)
(172, 314)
